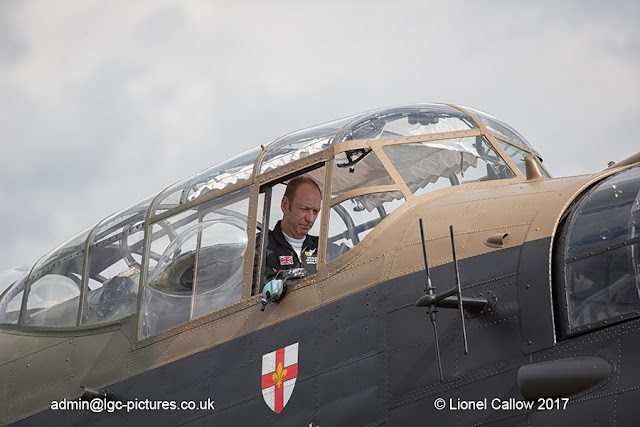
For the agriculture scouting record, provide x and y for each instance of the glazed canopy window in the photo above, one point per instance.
(113, 268)
(517, 155)
(407, 121)
(52, 288)
(351, 220)
(598, 255)
(300, 144)
(377, 124)
(428, 166)
(501, 128)
(222, 175)
(200, 253)
(356, 169)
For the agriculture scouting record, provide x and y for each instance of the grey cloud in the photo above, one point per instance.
(13, 42)
(128, 98)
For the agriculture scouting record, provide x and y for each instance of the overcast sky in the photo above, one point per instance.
(106, 102)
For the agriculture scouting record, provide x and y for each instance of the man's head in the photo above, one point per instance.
(300, 206)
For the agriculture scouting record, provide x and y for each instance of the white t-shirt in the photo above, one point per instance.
(296, 244)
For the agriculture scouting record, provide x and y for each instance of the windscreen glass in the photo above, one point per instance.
(429, 166)
(517, 155)
(356, 169)
(351, 220)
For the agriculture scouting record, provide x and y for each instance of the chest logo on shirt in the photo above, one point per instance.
(309, 257)
(286, 260)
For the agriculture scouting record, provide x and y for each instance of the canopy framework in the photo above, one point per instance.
(449, 141)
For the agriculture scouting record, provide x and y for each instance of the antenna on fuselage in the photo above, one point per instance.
(443, 300)
(460, 305)
(431, 310)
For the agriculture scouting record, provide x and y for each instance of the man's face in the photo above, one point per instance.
(299, 215)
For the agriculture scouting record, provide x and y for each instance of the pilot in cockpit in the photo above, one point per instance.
(289, 244)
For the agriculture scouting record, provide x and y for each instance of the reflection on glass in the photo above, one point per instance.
(9, 277)
(11, 303)
(69, 249)
(171, 197)
(220, 262)
(608, 216)
(601, 252)
(229, 172)
(358, 168)
(301, 144)
(115, 255)
(407, 121)
(54, 285)
(517, 156)
(53, 301)
(198, 259)
(500, 127)
(351, 220)
(602, 287)
(428, 166)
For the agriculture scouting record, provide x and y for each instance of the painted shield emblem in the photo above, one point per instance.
(279, 373)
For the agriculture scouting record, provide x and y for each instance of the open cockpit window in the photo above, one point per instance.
(597, 256)
(428, 166)
(196, 260)
(290, 239)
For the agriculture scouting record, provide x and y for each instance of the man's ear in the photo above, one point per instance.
(284, 204)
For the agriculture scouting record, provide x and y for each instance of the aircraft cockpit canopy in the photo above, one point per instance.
(189, 250)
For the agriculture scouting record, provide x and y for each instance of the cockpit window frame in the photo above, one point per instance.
(265, 188)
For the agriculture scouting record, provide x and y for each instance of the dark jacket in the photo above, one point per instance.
(281, 256)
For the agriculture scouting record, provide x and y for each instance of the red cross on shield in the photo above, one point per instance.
(279, 373)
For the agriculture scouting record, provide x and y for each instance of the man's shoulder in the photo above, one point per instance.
(276, 234)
